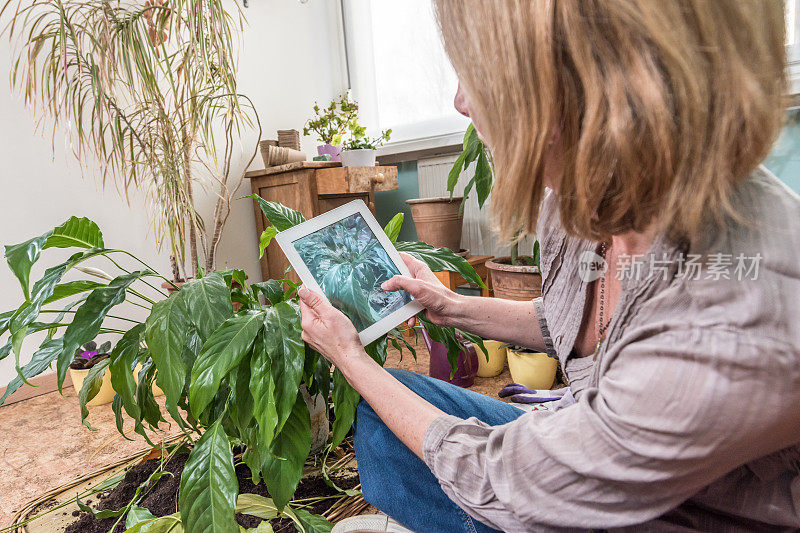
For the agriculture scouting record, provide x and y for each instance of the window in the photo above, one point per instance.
(398, 69)
(793, 44)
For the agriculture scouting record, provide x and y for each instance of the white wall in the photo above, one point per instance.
(290, 57)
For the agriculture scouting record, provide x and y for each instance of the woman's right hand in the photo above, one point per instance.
(441, 304)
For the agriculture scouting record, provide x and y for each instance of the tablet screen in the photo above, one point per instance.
(349, 264)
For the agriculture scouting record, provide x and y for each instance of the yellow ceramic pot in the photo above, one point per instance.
(497, 359)
(106, 394)
(533, 370)
(156, 389)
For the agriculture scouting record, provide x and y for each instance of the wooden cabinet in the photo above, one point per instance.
(313, 187)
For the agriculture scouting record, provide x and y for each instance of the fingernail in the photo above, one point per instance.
(384, 285)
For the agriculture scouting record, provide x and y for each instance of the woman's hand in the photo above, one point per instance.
(441, 304)
(327, 329)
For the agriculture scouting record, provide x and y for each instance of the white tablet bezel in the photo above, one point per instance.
(286, 241)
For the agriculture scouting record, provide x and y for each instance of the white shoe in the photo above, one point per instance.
(369, 523)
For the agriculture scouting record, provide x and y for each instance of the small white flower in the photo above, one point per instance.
(94, 272)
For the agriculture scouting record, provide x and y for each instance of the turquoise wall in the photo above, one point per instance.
(389, 203)
(784, 161)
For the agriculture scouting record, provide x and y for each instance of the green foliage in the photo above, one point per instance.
(482, 181)
(207, 496)
(392, 228)
(440, 259)
(330, 123)
(235, 375)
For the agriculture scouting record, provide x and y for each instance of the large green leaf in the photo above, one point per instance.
(455, 172)
(137, 514)
(262, 389)
(123, 360)
(149, 409)
(272, 290)
(241, 401)
(44, 288)
(222, 351)
(483, 177)
(277, 214)
(283, 464)
(312, 523)
(89, 317)
(163, 524)
(266, 237)
(71, 288)
(256, 505)
(80, 232)
(41, 360)
(287, 353)
(208, 303)
(21, 257)
(439, 259)
(207, 496)
(392, 228)
(91, 386)
(345, 401)
(166, 332)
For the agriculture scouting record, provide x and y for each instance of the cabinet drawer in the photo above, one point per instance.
(345, 180)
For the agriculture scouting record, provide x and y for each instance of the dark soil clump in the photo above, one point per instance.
(162, 498)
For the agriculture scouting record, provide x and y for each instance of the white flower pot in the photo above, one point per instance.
(358, 158)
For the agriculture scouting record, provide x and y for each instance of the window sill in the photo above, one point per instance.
(414, 149)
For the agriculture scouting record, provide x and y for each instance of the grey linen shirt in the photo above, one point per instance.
(690, 417)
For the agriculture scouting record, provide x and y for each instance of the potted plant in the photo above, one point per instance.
(438, 220)
(233, 380)
(359, 150)
(495, 361)
(534, 370)
(150, 121)
(514, 277)
(86, 357)
(330, 124)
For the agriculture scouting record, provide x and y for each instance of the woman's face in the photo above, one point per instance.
(553, 164)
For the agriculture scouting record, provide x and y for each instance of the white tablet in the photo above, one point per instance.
(345, 255)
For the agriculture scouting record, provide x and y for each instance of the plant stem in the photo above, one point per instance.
(73, 312)
(140, 279)
(153, 270)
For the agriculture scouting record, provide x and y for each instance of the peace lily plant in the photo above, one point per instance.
(229, 378)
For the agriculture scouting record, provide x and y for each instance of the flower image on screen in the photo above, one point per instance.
(349, 263)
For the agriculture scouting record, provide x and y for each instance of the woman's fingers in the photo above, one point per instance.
(397, 283)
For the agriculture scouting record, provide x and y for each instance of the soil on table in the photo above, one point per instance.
(162, 498)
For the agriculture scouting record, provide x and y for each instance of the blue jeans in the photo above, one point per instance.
(398, 482)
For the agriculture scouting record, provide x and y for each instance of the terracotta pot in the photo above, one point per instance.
(514, 282)
(438, 221)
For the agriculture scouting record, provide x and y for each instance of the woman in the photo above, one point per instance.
(648, 121)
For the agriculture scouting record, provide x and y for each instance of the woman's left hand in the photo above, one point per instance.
(327, 329)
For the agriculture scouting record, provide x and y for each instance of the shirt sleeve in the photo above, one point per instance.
(673, 412)
(538, 304)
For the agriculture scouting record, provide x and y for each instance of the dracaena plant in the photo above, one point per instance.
(230, 378)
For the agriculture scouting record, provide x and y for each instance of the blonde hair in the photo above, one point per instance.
(662, 107)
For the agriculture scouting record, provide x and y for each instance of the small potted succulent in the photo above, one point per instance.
(86, 357)
(330, 124)
(359, 150)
